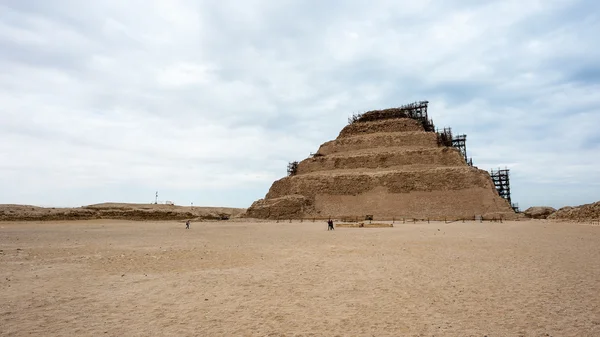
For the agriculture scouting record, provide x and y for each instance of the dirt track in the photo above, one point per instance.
(120, 278)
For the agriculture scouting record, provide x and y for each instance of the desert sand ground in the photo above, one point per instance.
(121, 278)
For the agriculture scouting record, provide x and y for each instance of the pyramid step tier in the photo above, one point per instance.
(383, 158)
(383, 205)
(395, 181)
(414, 139)
(390, 125)
(452, 192)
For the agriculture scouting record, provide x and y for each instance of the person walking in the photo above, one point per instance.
(187, 224)
(330, 225)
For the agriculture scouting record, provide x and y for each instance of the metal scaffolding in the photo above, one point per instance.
(501, 180)
(460, 142)
(444, 137)
(292, 168)
(515, 207)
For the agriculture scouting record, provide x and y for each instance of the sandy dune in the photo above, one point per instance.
(120, 278)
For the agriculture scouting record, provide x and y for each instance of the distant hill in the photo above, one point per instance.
(123, 211)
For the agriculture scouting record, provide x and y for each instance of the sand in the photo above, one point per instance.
(122, 278)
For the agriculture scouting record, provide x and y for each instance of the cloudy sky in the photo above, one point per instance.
(207, 101)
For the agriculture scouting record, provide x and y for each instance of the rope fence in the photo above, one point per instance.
(393, 220)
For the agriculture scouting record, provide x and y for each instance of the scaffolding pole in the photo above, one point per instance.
(460, 142)
(501, 179)
(444, 137)
(292, 168)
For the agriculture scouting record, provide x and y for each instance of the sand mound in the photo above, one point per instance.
(578, 213)
(539, 212)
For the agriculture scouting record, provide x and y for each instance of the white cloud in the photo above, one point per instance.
(185, 74)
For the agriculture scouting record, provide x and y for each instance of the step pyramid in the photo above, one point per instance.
(389, 164)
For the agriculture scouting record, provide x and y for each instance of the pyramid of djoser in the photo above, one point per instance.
(388, 164)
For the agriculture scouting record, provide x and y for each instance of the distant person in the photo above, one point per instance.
(330, 225)
(187, 224)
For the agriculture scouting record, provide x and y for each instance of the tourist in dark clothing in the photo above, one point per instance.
(187, 224)
(330, 225)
